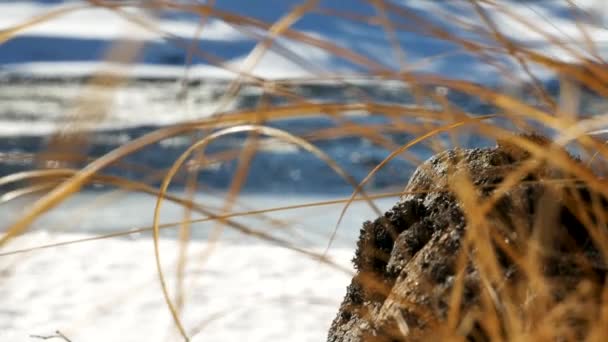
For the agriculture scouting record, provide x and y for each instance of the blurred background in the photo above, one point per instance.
(178, 64)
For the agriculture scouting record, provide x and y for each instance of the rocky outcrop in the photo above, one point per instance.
(436, 266)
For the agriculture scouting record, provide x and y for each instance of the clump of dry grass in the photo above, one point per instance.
(560, 116)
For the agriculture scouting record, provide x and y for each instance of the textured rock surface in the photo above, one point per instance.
(406, 260)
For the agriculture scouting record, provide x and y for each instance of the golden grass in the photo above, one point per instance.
(56, 185)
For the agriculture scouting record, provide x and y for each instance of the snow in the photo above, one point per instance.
(102, 23)
(79, 44)
(74, 69)
(109, 291)
(84, 34)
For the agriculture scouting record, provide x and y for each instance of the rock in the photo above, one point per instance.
(530, 264)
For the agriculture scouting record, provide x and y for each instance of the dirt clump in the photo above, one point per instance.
(424, 271)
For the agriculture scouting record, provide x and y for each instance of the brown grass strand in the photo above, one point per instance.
(72, 185)
(392, 155)
(201, 144)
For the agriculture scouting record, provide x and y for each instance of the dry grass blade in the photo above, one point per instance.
(144, 188)
(512, 50)
(72, 185)
(256, 54)
(201, 145)
(484, 258)
(393, 155)
(186, 202)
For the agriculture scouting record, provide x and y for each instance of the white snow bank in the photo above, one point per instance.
(109, 291)
(101, 23)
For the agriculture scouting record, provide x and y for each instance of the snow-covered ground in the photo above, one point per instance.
(108, 290)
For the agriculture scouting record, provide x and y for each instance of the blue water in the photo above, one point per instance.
(277, 170)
